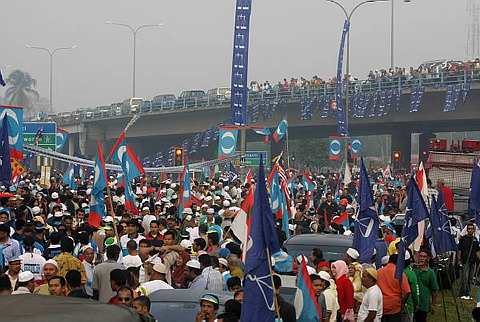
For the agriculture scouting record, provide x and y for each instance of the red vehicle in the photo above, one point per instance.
(470, 146)
(438, 145)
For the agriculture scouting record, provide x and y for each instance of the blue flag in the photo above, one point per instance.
(311, 311)
(69, 177)
(415, 212)
(441, 233)
(5, 165)
(474, 204)
(258, 302)
(367, 222)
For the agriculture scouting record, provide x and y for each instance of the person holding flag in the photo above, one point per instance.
(311, 310)
(97, 200)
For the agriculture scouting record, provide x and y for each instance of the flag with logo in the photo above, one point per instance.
(186, 192)
(122, 152)
(62, 138)
(258, 301)
(69, 177)
(281, 131)
(278, 202)
(97, 198)
(243, 220)
(311, 311)
(227, 142)
(15, 129)
(367, 221)
(440, 232)
(421, 179)
(416, 212)
(5, 166)
(266, 134)
(334, 149)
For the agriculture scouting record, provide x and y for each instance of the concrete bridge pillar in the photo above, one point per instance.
(401, 143)
(72, 143)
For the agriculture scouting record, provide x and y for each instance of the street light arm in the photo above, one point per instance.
(121, 24)
(341, 7)
(361, 4)
(40, 48)
(148, 26)
(63, 48)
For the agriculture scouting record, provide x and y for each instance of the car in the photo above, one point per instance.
(333, 246)
(163, 102)
(218, 95)
(191, 98)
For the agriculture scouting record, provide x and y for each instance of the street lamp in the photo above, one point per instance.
(392, 61)
(51, 53)
(134, 33)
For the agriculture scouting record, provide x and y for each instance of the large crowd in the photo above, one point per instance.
(48, 247)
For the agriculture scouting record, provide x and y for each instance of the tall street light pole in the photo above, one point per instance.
(51, 53)
(134, 34)
(392, 33)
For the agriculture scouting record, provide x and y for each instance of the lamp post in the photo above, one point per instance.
(392, 33)
(51, 53)
(134, 34)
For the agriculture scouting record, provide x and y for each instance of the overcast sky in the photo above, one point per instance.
(194, 48)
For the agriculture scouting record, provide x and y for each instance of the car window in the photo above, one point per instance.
(330, 252)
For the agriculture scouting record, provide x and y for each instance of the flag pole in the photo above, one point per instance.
(275, 301)
(288, 151)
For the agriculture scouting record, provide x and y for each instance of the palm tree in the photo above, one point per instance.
(21, 90)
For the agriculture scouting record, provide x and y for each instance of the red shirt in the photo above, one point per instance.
(345, 293)
(448, 198)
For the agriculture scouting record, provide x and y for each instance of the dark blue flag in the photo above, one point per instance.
(415, 212)
(474, 204)
(258, 301)
(367, 222)
(2, 82)
(5, 165)
(441, 233)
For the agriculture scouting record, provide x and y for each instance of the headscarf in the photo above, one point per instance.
(341, 268)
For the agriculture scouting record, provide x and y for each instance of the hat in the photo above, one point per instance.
(210, 211)
(212, 298)
(193, 263)
(132, 261)
(25, 276)
(188, 211)
(325, 276)
(173, 185)
(186, 243)
(36, 210)
(216, 198)
(226, 203)
(58, 214)
(385, 259)
(146, 208)
(174, 196)
(371, 271)
(14, 259)
(55, 195)
(160, 268)
(223, 261)
(353, 253)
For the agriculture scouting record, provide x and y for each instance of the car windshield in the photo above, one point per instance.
(330, 252)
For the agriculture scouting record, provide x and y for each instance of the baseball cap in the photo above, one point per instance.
(212, 298)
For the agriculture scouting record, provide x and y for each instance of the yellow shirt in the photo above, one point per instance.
(66, 262)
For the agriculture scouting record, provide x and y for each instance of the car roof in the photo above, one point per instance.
(187, 295)
(320, 239)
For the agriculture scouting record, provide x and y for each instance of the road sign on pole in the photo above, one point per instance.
(252, 158)
(41, 134)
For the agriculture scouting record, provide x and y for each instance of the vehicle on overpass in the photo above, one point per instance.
(191, 98)
(219, 95)
(163, 102)
(132, 105)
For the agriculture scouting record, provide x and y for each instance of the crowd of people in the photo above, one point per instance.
(49, 247)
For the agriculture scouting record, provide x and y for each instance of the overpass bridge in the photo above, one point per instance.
(397, 108)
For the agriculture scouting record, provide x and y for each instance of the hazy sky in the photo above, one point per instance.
(194, 48)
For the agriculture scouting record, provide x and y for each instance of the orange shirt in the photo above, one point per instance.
(391, 289)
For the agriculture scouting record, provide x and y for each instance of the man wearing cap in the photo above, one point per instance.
(194, 275)
(157, 281)
(329, 291)
(25, 283)
(9, 248)
(351, 258)
(209, 304)
(371, 309)
(14, 269)
(49, 270)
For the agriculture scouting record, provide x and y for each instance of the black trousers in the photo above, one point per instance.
(421, 316)
(392, 317)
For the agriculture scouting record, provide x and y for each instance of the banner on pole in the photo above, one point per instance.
(335, 149)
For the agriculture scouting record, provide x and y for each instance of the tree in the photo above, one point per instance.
(21, 89)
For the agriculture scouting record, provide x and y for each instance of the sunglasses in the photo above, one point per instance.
(125, 299)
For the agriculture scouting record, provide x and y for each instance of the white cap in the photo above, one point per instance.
(155, 259)
(212, 188)
(325, 276)
(226, 203)
(84, 205)
(55, 195)
(223, 261)
(132, 261)
(407, 256)
(311, 270)
(51, 262)
(58, 214)
(89, 191)
(160, 268)
(226, 188)
(353, 253)
(185, 243)
(25, 276)
(174, 196)
(210, 211)
(193, 263)
(36, 210)
(208, 198)
(146, 208)
(188, 211)
(173, 185)
(216, 198)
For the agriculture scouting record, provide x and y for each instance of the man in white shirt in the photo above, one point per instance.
(371, 309)
(132, 233)
(31, 261)
(88, 263)
(147, 219)
(157, 281)
(213, 277)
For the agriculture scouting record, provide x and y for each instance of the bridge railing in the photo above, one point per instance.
(403, 84)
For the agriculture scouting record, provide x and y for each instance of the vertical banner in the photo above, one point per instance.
(356, 148)
(227, 142)
(334, 149)
(15, 129)
(239, 85)
(62, 137)
(342, 122)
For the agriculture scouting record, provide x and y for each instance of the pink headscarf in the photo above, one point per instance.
(341, 268)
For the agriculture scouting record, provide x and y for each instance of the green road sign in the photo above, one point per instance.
(45, 131)
(252, 158)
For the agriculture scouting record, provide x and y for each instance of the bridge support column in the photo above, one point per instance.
(402, 143)
(82, 140)
(72, 142)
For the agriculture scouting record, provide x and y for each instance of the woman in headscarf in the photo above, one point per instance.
(344, 290)
(178, 272)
